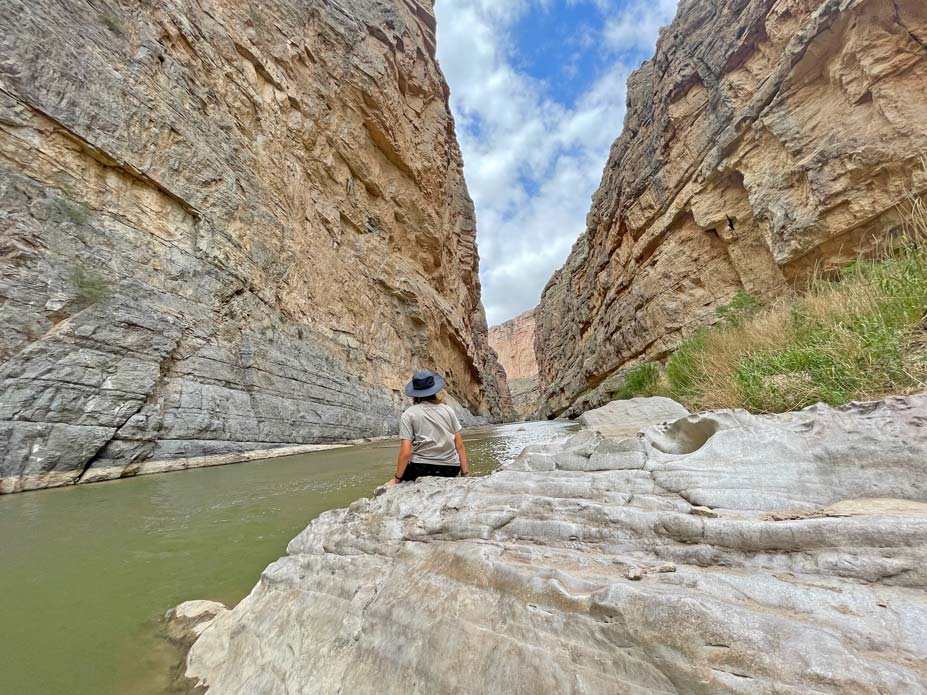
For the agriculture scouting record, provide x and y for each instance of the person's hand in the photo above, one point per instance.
(391, 481)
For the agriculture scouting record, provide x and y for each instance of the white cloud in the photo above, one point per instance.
(636, 25)
(531, 162)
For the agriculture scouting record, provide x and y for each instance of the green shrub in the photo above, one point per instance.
(742, 307)
(862, 335)
(684, 370)
(640, 380)
(803, 372)
(89, 287)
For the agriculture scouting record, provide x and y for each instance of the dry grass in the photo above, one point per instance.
(862, 335)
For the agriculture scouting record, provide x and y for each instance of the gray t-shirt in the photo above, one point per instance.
(431, 428)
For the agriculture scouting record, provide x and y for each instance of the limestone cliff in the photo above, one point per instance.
(765, 139)
(513, 342)
(225, 226)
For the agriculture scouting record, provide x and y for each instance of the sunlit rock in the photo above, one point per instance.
(624, 418)
(722, 553)
(513, 342)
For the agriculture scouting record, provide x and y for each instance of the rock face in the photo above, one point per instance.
(224, 228)
(513, 342)
(720, 553)
(765, 139)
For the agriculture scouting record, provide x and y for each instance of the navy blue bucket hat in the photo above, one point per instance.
(424, 384)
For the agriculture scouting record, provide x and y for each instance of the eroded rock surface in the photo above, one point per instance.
(764, 140)
(720, 553)
(513, 342)
(624, 418)
(225, 227)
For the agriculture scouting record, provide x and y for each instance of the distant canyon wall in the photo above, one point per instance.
(765, 139)
(225, 226)
(513, 342)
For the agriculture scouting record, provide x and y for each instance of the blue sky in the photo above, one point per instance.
(538, 93)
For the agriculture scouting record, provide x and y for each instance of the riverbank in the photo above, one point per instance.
(99, 471)
(27, 483)
(857, 336)
(721, 553)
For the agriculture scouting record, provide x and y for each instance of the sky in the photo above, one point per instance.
(538, 93)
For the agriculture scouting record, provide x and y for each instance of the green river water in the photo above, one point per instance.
(87, 571)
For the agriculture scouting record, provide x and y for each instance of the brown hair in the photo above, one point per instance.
(436, 398)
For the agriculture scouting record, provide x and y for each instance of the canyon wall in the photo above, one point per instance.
(765, 140)
(513, 342)
(225, 226)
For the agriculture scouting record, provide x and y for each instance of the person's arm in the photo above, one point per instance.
(406, 436)
(405, 453)
(462, 453)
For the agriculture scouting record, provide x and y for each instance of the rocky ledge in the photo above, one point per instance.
(719, 553)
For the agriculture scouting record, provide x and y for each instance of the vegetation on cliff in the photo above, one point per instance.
(859, 335)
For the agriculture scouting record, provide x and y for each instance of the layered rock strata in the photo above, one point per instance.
(721, 553)
(765, 140)
(513, 342)
(225, 227)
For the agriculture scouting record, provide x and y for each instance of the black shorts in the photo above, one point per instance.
(417, 470)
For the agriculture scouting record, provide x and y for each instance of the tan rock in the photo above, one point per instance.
(513, 342)
(763, 141)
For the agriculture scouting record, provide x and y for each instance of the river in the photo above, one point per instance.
(86, 571)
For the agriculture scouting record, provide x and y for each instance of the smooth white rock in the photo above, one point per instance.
(625, 418)
(713, 555)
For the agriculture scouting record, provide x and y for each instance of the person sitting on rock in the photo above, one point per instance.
(430, 433)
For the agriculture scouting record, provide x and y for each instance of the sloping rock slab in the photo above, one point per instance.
(711, 555)
(626, 418)
(186, 622)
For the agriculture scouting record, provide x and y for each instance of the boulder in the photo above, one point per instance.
(186, 622)
(625, 418)
(722, 553)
